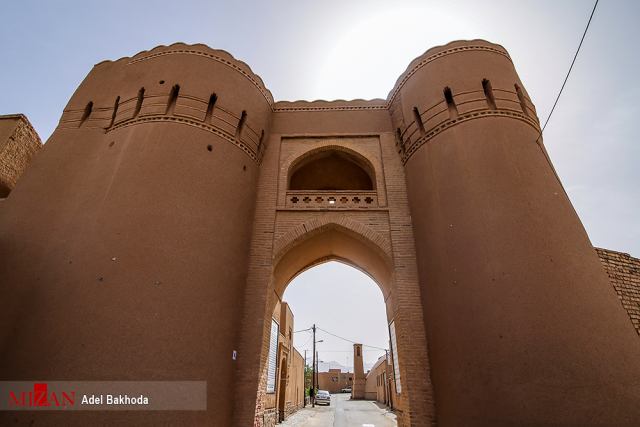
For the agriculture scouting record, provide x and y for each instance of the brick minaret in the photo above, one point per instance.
(357, 392)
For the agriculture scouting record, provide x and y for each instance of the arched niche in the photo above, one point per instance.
(332, 169)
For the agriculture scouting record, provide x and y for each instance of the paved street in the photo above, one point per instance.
(343, 412)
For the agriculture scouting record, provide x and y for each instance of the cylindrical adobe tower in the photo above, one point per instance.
(359, 380)
(523, 326)
(125, 245)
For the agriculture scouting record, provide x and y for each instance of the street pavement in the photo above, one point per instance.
(343, 412)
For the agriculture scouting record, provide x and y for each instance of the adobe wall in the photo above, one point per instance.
(334, 380)
(372, 381)
(521, 321)
(125, 245)
(289, 373)
(173, 235)
(295, 383)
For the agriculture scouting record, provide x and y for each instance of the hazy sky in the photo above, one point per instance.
(343, 301)
(357, 49)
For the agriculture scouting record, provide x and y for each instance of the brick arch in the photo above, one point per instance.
(295, 161)
(314, 226)
(333, 239)
(369, 159)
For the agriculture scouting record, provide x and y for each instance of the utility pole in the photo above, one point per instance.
(312, 392)
(387, 386)
(304, 381)
(388, 380)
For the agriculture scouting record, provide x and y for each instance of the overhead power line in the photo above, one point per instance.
(570, 68)
(307, 342)
(351, 341)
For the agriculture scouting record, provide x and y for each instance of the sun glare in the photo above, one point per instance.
(366, 61)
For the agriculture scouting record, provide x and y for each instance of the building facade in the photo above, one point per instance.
(334, 380)
(286, 372)
(380, 382)
(186, 199)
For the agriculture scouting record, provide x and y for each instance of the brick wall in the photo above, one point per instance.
(624, 274)
(269, 417)
(376, 236)
(19, 142)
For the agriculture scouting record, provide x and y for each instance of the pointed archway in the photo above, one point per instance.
(339, 238)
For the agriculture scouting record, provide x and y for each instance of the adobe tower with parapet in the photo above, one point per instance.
(154, 233)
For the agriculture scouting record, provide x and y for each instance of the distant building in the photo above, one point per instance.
(379, 386)
(285, 369)
(335, 380)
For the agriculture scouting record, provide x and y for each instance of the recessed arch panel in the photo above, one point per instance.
(331, 168)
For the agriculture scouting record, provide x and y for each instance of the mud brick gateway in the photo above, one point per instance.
(162, 221)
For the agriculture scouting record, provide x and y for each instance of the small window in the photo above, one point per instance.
(418, 119)
(488, 94)
(212, 103)
(86, 113)
(521, 98)
(394, 355)
(115, 111)
(273, 358)
(139, 103)
(451, 104)
(243, 119)
(173, 98)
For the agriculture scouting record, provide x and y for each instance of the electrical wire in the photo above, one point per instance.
(570, 68)
(306, 342)
(351, 341)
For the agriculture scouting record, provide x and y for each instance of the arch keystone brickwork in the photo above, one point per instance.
(317, 225)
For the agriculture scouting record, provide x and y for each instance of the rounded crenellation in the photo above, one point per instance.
(192, 85)
(463, 80)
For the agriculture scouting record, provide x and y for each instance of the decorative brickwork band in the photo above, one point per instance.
(419, 63)
(411, 148)
(249, 141)
(252, 152)
(230, 62)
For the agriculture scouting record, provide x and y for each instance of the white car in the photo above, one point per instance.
(323, 398)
